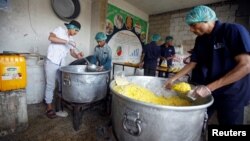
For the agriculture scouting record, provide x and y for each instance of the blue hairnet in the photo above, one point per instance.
(200, 14)
(71, 26)
(156, 37)
(100, 36)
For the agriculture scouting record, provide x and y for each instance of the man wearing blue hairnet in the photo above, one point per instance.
(220, 64)
(103, 53)
(167, 54)
(150, 55)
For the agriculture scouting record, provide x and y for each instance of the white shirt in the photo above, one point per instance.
(57, 52)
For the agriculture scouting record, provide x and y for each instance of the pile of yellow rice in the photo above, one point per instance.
(139, 93)
(181, 87)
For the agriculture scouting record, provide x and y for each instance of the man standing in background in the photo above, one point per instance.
(167, 54)
(151, 54)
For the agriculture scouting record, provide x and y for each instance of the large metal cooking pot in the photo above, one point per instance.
(133, 120)
(80, 86)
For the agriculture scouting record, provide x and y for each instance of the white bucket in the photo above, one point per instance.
(35, 79)
(34, 59)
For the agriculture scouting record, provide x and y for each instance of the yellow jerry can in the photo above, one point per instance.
(12, 72)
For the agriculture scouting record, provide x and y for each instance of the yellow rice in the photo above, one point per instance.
(181, 87)
(139, 93)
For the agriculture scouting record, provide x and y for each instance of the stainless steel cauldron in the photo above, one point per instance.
(133, 120)
(81, 86)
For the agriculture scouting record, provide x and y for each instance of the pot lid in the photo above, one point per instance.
(66, 9)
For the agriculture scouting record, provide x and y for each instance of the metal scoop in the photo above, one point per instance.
(191, 95)
(90, 67)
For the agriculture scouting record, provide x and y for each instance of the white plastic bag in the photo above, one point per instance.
(164, 63)
(120, 78)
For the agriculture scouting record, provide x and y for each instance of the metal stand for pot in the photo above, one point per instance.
(78, 108)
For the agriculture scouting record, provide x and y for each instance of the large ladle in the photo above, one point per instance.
(90, 67)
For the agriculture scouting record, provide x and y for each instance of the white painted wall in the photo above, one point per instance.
(129, 8)
(98, 20)
(25, 26)
(136, 12)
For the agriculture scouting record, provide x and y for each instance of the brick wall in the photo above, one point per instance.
(173, 23)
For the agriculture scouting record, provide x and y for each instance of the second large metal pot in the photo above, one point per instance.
(133, 120)
(80, 86)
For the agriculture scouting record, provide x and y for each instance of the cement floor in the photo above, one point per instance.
(95, 126)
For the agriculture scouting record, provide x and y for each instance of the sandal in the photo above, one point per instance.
(51, 114)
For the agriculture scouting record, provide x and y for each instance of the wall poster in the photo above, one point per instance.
(126, 35)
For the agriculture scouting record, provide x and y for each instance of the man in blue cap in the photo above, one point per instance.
(103, 52)
(167, 54)
(151, 54)
(220, 64)
(61, 43)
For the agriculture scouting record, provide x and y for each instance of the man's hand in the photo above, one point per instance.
(79, 55)
(100, 68)
(141, 65)
(169, 83)
(202, 91)
(168, 58)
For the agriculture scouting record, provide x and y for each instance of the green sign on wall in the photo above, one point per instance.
(118, 19)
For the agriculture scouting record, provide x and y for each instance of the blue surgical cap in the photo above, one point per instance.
(200, 14)
(71, 26)
(156, 37)
(100, 36)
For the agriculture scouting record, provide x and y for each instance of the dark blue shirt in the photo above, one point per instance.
(152, 53)
(215, 53)
(167, 52)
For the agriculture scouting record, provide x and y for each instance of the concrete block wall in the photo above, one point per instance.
(98, 20)
(173, 23)
(159, 24)
(13, 112)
